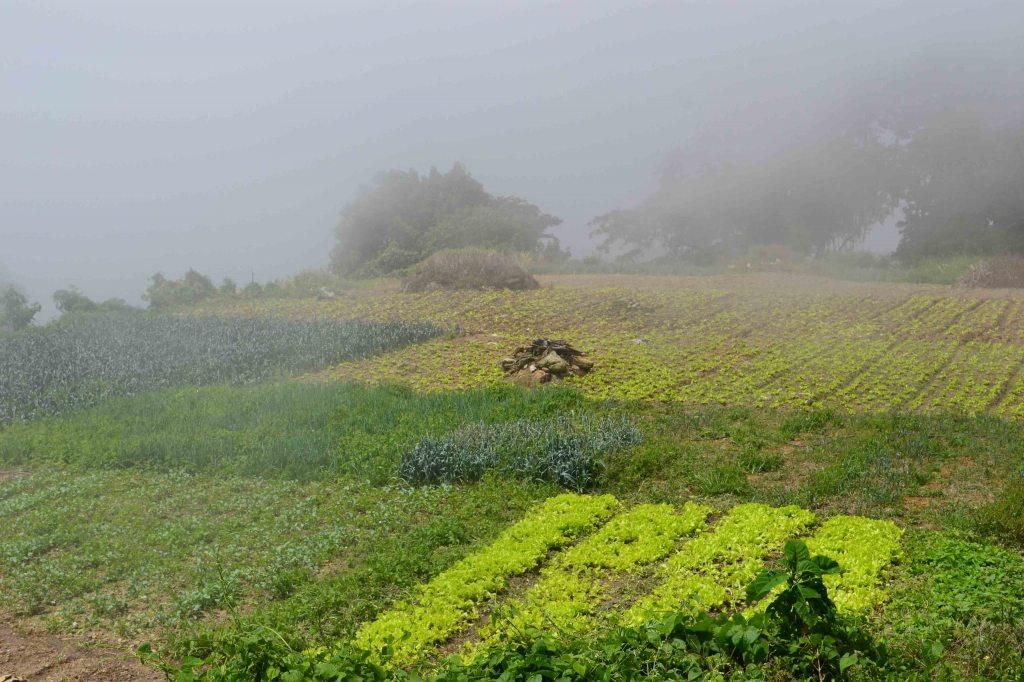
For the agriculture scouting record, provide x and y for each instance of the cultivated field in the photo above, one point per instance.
(348, 489)
(775, 341)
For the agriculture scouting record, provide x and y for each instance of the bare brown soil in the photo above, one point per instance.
(41, 657)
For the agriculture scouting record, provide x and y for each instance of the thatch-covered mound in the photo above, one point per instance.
(469, 269)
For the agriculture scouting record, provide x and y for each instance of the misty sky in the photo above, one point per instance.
(227, 136)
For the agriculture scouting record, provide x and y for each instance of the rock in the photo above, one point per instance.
(530, 379)
(542, 361)
(554, 363)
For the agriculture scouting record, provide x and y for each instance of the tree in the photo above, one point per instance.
(72, 300)
(404, 217)
(191, 289)
(810, 198)
(966, 188)
(15, 311)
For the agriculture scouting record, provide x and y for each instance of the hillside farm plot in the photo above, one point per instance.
(89, 359)
(778, 342)
(708, 565)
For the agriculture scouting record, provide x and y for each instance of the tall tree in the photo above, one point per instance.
(403, 217)
(965, 192)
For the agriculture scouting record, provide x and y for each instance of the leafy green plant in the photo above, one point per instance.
(90, 358)
(566, 449)
(808, 630)
(448, 603)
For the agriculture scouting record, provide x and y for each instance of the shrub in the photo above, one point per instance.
(566, 450)
(469, 269)
(189, 290)
(998, 272)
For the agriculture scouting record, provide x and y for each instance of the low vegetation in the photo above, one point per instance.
(468, 269)
(567, 450)
(247, 519)
(85, 360)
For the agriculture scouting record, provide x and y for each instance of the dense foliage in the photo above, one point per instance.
(810, 200)
(189, 290)
(942, 157)
(80, 362)
(964, 187)
(567, 449)
(72, 301)
(15, 311)
(404, 217)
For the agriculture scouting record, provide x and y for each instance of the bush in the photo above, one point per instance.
(189, 290)
(469, 269)
(998, 272)
(565, 450)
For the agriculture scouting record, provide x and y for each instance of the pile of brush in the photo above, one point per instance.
(544, 360)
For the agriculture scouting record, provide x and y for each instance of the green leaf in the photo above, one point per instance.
(796, 551)
(763, 584)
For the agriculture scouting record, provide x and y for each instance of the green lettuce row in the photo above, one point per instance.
(451, 600)
(863, 547)
(714, 569)
(570, 589)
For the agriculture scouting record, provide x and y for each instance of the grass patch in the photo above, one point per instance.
(298, 431)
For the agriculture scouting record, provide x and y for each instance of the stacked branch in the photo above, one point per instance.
(544, 360)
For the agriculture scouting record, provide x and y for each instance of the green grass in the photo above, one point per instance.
(866, 267)
(301, 431)
(191, 516)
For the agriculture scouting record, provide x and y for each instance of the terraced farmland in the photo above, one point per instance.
(777, 342)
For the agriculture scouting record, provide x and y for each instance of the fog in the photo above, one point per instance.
(228, 136)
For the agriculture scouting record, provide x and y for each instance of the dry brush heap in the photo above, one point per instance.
(544, 360)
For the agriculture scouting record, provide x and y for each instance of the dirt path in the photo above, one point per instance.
(41, 657)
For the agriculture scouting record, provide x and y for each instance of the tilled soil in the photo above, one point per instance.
(40, 657)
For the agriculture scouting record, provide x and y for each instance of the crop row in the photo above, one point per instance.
(451, 600)
(579, 588)
(569, 591)
(78, 363)
(863, 547)
(713, 570)
(854, 351)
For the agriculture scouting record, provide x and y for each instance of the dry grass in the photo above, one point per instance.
(999, 272)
